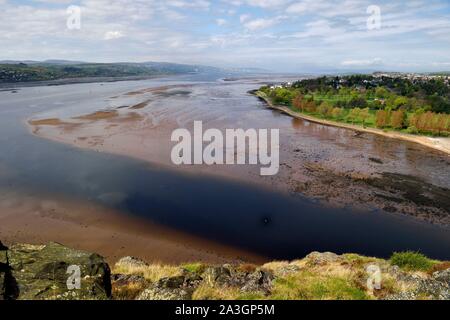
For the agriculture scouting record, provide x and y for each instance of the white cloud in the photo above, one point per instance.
(258, 3)
(221, 22)
(266, 3)
(327, 32)
(258, 24)
(363, 63)
(199, 4)
(111, 35)
(244, 17)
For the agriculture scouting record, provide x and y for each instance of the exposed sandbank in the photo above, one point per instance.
(41, 218)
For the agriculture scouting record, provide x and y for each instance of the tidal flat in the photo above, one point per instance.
(336, 190)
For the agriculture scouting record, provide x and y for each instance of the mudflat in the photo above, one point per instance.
(42, 218)
(336, 166)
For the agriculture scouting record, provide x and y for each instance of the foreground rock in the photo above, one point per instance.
(50, 272)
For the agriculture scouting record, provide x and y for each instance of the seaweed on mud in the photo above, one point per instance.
(413, 189)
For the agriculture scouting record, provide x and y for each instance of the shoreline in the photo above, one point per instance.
(435, 143)
(40, 219)
(7, 86)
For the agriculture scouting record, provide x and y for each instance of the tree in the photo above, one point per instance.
(337, 113)
(325, 109)
(364, 114)
(398, 119)
(381, 93)
(357, 102)
(354, 115)
(298, 102)
(382, 118)
(441, 123)
(400, 102)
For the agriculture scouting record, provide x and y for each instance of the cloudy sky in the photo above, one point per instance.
(280, 35)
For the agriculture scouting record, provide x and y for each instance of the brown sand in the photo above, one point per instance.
(47, 122)
(38, 219)
(156, 90)
(98, 115)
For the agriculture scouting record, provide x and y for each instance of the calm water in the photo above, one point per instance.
(241, 215)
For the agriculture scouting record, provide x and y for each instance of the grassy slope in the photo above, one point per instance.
(312, 278)
(27, 73)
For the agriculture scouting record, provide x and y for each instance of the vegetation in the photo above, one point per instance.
(45, 71)
(307, 285)
(412, 261)
(319, 276)
(151, 272)
(418, 105)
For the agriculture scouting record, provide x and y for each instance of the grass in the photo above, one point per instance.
(194, 267)
(307, 285)
(128, 292)
(152, 273)
(207, 291)
(440, 266)
(412, 261)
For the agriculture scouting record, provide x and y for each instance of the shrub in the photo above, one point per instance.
(411, 261)
(337, 113)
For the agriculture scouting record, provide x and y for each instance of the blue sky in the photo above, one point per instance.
(280, 35)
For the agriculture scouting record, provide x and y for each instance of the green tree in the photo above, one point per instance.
(354, 115)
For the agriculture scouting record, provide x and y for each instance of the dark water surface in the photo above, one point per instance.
(268, 223)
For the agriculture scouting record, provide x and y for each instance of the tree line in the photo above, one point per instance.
(418, 122)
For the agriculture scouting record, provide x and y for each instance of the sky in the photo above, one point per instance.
(277, 35)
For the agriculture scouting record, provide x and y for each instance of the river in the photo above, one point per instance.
(269, 222)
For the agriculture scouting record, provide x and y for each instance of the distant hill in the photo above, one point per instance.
(34, 71)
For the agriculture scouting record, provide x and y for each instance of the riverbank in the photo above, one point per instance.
(440, 144)
(12, 86)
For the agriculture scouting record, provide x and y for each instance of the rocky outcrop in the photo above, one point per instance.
(321, 258)
(226, 276)
(174, 288)
(437, 287)
(53, 272)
